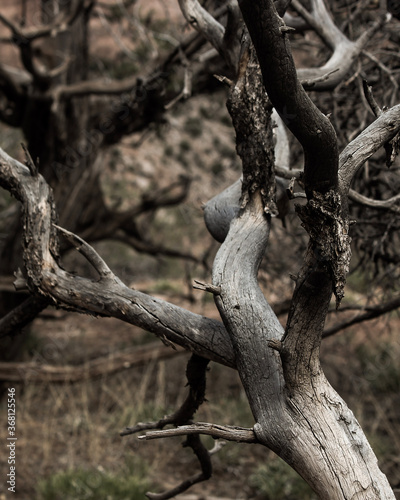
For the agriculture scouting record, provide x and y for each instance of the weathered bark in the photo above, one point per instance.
(297, 413)
(108, 296)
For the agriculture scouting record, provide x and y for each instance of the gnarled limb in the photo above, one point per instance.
(107, 296)
(357, 152)
(311, 127)
(344, 51)
(295, 408)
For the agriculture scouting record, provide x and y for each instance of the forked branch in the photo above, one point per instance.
(196, 333)
(311, 127)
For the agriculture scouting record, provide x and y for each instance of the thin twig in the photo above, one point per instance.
(371, 99)
(29, 162)
(89, 252)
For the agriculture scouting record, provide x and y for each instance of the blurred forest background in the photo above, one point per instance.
(81, 380)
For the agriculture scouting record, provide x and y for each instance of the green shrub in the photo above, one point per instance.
(95, 484)
(380, 367)
(277, 481)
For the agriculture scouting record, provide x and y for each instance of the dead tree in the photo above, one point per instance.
(68, 119)
(297, 413)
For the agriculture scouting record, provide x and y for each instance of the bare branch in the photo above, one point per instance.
(228, 432)
(308, 124)
(144, 245)
(392, 204)
(224, 41)
(357, 152)
(91, 255)
(371, 99)
(345, 51)
(196, 375)
(204, 22)
(370, 313)
(321, 22)
(22, 315)
(186, 92)
(207, 287)
(204, 336)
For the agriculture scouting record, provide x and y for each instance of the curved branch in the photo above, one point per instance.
(321, 22)
(107, 296)
(357, 152)
(222, 40)
(204, 22)
(391, 204)
(370, 313)
(311, 127)
(344, 51)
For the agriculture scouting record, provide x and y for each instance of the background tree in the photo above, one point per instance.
(68, 116)
(297, 413)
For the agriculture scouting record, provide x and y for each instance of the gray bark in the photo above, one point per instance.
(297, 413)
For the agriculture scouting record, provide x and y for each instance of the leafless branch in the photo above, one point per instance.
(371, 313)
(22, 315)
(357, 152)
(32, 372)
(224, 41)
(150, 248)
(91, 255)
(196, 375)
(344, 51)
(204, 336)
(227, 432)
(371, 99)
(392, 204)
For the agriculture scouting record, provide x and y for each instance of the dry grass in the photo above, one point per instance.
(61, 427)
